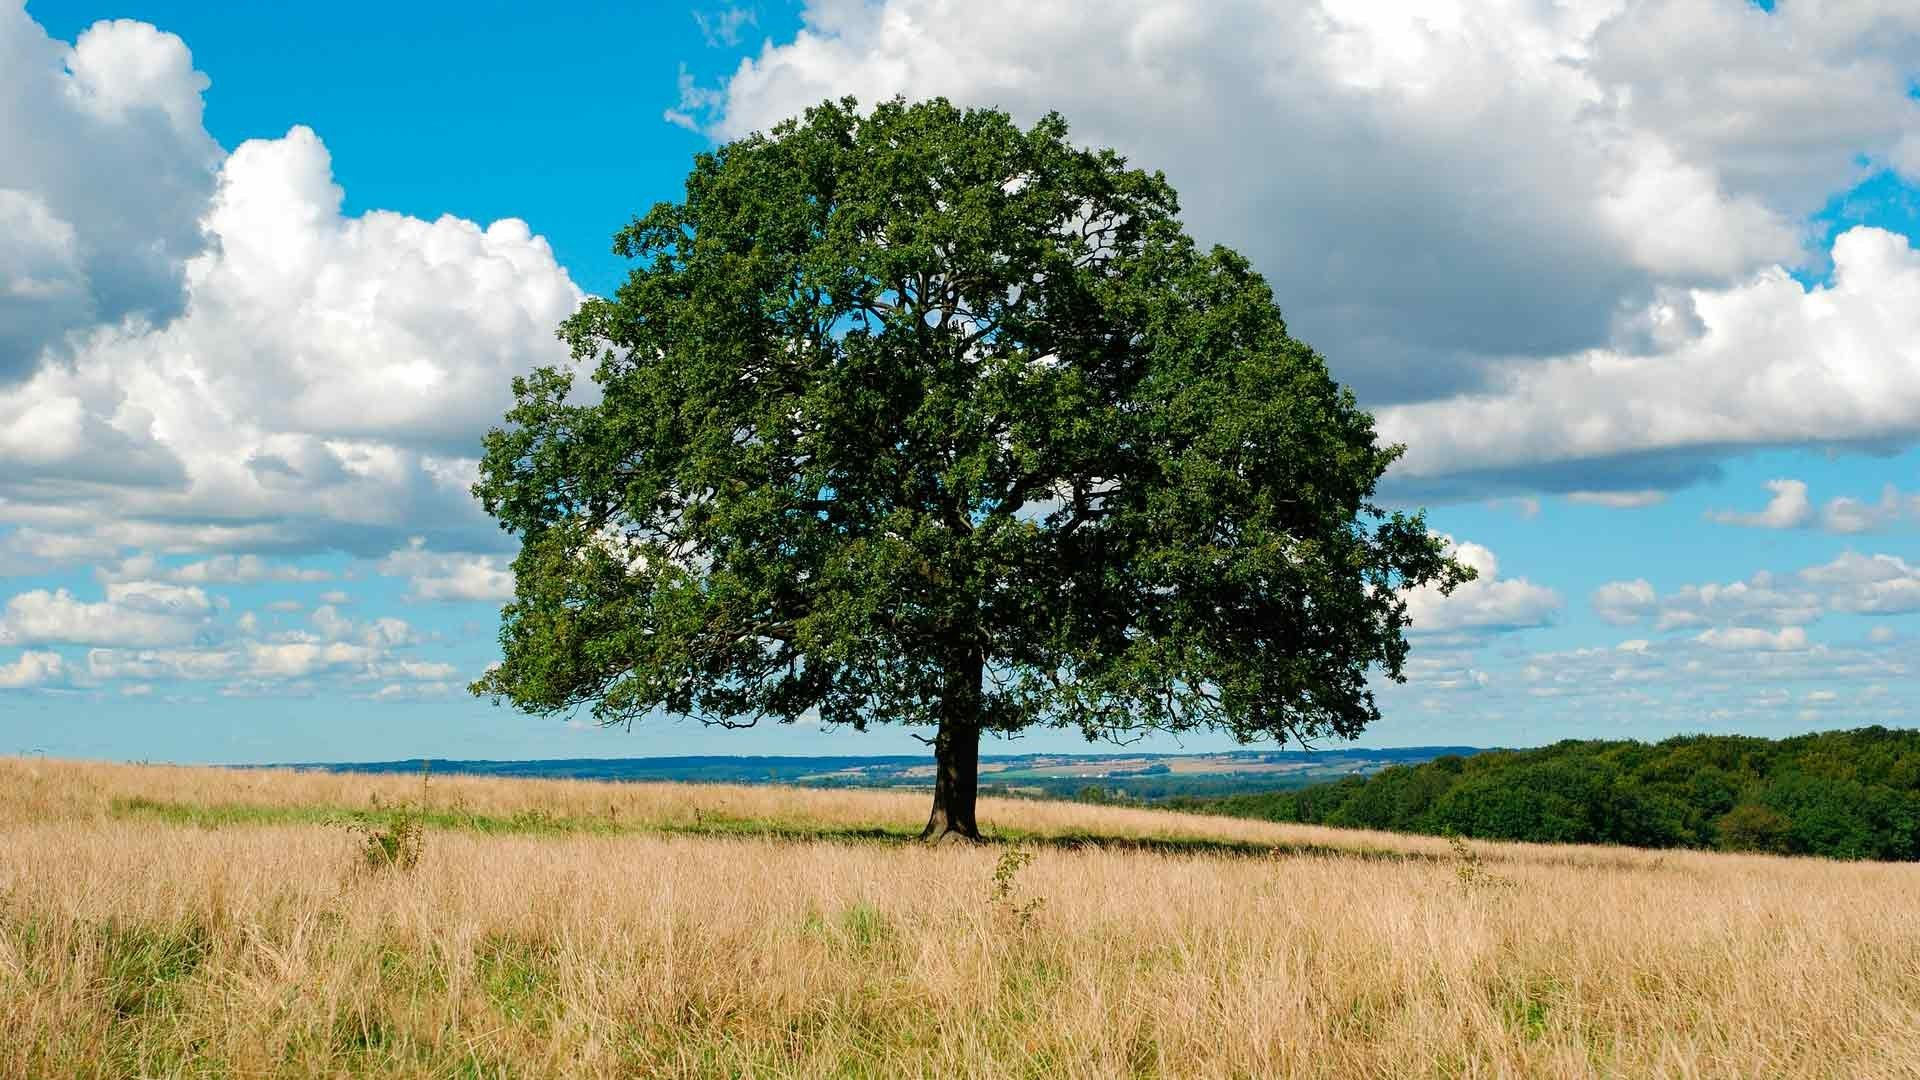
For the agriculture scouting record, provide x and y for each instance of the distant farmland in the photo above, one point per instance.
(1145, 777)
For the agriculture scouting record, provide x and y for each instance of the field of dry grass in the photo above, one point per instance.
(161, 921)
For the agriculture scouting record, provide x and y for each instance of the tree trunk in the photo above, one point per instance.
(956, 782)
(956, 757)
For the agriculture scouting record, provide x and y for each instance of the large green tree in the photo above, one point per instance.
(918, 417)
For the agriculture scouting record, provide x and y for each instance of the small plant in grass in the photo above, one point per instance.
(1004, 893)
(392, 840)
(1469, 869)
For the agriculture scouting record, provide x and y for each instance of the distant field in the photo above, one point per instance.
(199, 922)
(1137, 777)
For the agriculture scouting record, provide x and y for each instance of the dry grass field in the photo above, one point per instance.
(198, 922)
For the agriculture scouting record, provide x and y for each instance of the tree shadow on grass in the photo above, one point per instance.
(723, 826)
(1204, 845)
(1076, 840)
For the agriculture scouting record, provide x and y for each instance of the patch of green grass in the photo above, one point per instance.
(530, 821)
(1173, 844)
(221, 815)
(218, 815)
(144, 971)
(143, 966)
(865, 927)
(1369, 1011)
(1528, 1004)
(519, 978)
(416, 973)
(361, 1032)
(712, 824)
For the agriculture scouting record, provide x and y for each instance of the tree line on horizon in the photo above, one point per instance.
(1840, 794)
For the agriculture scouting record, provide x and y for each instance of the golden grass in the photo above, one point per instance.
(656, 943)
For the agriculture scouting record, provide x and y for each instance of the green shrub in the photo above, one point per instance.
(1751, 827)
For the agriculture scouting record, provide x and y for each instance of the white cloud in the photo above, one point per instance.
(1849, 515)
(1725, 678)
(1618, 500)
(454, 576)
(257, 666)
(1526, 506)
(1760, 600)
(300, 659)
(382, 632)
(218, 570)
(1429, 186)
(325, 383)
(1489, 603)
(105, 172)
(1789, 508)
(1852, 583)
(1625, 602)
(165, 664)
(1869, 585)
(723, 26)
(426, 691)
(1775, 363)
(137, 613)
(1906, 157)
(1446, 672)
(32, 669)
(244, 570)
(1749, 638)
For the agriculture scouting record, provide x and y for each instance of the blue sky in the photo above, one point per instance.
(1631, 278)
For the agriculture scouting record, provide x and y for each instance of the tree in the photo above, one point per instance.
(920, 417)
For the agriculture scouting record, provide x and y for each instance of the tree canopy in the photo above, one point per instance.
(916, 416)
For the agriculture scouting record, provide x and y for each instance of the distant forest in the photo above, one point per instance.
(1843, 794)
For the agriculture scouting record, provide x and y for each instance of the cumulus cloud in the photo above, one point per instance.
(1868, 584)
(1788, 509)
(1776, 363)
(453, 576)
(32, 668)
(218, 570)
(324, 385)
(1430, 187)
(1749, 638)
(133, 613)
(423, 691)
(330, 625)
(1487, 604)
(1446, 672)
(1760, 599)
(334, 650)
(1846, 514)
(1852, 583)
(1625, 602)
(1748, 679)
(105, 173)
